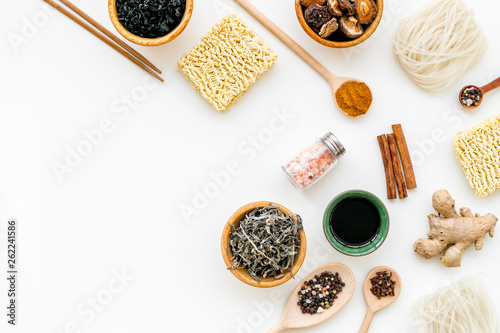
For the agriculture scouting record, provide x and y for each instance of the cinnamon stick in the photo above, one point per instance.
(396, 165)
(389, 171)
(411, 183)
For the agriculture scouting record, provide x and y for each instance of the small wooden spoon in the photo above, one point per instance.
(373, 304)
(293, 317)
(487, 88)
(335, 81)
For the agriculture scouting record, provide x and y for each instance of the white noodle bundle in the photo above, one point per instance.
(438, 43)
(462, 307)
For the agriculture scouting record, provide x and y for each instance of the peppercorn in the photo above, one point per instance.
(471, 96)
(314, 295)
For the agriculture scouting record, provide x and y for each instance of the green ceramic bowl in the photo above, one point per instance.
(377, 240)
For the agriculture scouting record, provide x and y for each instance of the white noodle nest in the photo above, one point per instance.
(439, 43)
(462, 307)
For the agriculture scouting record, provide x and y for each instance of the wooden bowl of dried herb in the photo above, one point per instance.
(263, 244)
(150, 24)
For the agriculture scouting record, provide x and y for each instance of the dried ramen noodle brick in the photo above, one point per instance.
(478, 150)
(226, 62)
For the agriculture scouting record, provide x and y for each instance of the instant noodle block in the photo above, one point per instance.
(478, 150)
(227, 61)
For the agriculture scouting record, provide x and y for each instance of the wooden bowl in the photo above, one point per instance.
(150, 41)
(299, 9)
(243, 274)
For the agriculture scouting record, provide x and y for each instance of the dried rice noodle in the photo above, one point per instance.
(462, 307)
(439, 43)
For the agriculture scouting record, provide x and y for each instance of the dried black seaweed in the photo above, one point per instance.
(265, 242)
(150, 18)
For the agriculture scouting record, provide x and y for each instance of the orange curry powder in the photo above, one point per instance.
(354, 98)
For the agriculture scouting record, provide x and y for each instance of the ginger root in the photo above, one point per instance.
(453, 232)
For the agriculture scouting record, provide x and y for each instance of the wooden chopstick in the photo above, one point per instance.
(109, 34)
(102, 38)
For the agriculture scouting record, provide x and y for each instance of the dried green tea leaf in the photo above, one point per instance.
(265, 242)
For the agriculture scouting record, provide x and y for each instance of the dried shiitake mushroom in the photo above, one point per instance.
(334, 7)
(329, 28)
(346, 5)
(316, 16)
(366, 11)
(307, 3)
(351, 27)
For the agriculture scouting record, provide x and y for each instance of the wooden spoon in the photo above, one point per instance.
(487, 88)
(293, 317)
(335, 81)
(373, 304)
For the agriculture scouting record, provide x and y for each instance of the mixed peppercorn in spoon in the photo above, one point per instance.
(319, 293)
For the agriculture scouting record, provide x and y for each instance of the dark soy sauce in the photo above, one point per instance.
(355, 222)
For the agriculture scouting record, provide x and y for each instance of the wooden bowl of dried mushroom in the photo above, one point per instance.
(339, 23)
(263, 244)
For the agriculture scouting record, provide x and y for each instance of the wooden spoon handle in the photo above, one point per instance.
(366, 322)
(490, 86)
(277, 328)
(309, 59)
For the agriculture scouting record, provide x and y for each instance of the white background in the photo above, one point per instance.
(118, 210)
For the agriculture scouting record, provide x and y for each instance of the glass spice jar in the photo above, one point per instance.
(309, 165)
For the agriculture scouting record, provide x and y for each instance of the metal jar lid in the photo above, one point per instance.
(334, 144)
